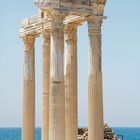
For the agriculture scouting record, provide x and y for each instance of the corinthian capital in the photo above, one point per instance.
(95, 24)
(29, 41)
(56, 18)
(71, 32)
(46, 36)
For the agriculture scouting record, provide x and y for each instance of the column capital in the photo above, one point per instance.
(46, 36)
(71, 32)
(29, 41)
(56, 18)
(95, 24)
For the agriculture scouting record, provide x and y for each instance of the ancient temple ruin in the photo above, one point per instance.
(59, 92)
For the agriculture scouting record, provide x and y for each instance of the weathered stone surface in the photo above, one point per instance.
(45, 85)
(28, 129)
(56, 16)
(95, 99)
(74, 1)
(57, 94)
(108, 133)
(71, 113)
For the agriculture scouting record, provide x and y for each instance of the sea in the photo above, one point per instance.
(123, 133)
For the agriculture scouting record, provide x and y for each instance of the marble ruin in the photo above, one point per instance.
(55, 19)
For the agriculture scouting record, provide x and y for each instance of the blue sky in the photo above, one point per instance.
(121, 67)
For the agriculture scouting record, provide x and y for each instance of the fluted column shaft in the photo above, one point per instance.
(28, 129)
(71, 83)
(95, 99)
(45, 84)
(57, 94)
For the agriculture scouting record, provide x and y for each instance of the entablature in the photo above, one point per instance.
(71, 7)
(75, 11)
(36, 24)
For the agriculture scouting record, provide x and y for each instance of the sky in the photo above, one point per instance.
(120, 56)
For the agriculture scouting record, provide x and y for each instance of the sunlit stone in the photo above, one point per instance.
(59, 91)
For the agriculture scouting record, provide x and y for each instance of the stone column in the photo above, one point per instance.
(45, 84)
(71, 83)
(28, 129)
(57, 94)
(95, 99)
